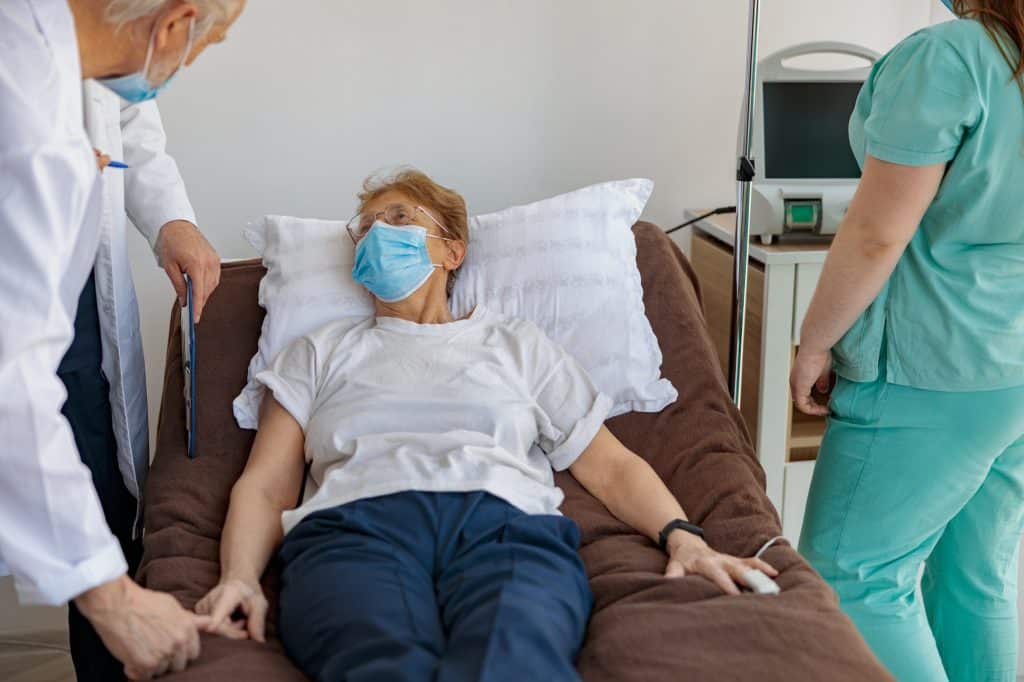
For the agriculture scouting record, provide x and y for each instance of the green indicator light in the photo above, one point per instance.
(802, 214)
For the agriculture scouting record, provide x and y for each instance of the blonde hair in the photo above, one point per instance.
(447, 205)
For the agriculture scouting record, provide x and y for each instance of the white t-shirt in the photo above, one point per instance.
(485, 403)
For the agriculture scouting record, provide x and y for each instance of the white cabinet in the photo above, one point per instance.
(794, 498)
(807, 275)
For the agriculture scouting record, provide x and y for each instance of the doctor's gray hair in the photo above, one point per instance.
(121, 12)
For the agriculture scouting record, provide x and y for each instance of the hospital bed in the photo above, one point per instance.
(644, 627)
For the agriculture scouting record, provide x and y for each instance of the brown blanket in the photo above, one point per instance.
(644, 627)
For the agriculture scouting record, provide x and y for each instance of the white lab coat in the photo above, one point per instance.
(53, 536)
(152, 194)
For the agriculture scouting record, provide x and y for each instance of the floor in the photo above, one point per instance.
(35, 657)
(33, 640)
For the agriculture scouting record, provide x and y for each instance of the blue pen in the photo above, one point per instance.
(118, 164)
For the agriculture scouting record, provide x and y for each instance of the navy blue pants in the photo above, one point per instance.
(433, 586)
(88, 411)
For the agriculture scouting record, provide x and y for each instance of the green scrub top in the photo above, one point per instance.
(951, 317)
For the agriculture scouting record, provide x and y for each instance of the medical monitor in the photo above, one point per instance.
(806, 130)
(806, 173)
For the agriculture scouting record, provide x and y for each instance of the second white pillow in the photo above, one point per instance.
(568, 264)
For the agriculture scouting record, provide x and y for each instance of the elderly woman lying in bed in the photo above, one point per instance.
(433, 546)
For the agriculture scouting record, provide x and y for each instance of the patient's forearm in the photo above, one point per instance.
(269, 486)
(252, 533)
(641, 499)
(627, 485)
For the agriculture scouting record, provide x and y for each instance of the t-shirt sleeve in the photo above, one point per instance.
(571, 409)
(923, 102)
(293, 379)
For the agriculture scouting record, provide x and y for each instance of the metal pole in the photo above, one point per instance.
(745, 173)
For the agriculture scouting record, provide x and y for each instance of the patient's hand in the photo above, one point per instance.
(232, 595)
(690, 555)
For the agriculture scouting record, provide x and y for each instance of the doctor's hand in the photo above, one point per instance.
(182, 249)
(811, 370)
(230, 596)
(147, 631)
(102, 160)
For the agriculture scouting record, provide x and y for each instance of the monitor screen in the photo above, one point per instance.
(806, 130)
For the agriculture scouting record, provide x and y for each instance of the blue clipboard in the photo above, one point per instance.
(188, 361)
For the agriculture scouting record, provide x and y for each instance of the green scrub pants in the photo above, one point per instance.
(909, 478)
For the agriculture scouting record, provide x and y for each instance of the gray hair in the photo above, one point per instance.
(121, 12)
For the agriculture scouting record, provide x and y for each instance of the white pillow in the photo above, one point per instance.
(308, 284)
(568, 264)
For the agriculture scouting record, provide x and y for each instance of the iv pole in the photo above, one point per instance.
(745, 173)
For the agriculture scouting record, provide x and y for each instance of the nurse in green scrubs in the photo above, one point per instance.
(920, 312)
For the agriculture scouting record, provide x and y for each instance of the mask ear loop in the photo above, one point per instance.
(454, 272)
(184, 57)
(188, 45)
(149, 54)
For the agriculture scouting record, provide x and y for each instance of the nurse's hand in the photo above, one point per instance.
(182, 249)
(147, 631)
(235, 595)
(690, 555)
(811, 370)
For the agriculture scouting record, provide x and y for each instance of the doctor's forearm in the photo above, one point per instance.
(855, 271)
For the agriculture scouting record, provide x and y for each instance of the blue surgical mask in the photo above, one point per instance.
(949, 4)
(136, 87)
(393, 262)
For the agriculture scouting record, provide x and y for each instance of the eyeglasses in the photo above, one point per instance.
(398, 215)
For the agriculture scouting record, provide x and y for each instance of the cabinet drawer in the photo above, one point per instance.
(807, 275)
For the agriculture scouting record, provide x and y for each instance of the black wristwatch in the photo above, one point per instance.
(678, 524)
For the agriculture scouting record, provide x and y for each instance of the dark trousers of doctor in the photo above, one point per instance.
(88, 411)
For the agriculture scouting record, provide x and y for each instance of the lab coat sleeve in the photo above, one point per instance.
(53, 536)
(154, 190)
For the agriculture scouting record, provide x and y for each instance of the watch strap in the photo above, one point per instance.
(677, 524)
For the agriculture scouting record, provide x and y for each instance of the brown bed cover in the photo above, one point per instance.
(644, 627)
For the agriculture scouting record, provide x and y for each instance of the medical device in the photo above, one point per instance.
(118, 164)
(756, 580)
(759, 583)
(188, 360)
(806, 172)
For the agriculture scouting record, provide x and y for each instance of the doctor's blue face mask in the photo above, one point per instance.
(136, 87)
(949, 4)
(392, 260)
